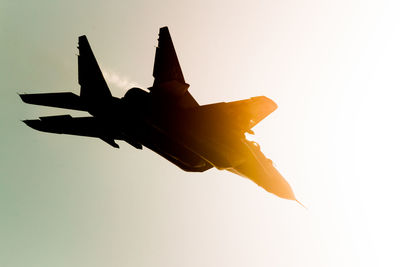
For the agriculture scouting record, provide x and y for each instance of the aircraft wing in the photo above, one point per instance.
(82, 126)
(244, 114)
(251, 111)
(168, 78)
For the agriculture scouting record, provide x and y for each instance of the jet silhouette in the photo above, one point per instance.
(166, 119)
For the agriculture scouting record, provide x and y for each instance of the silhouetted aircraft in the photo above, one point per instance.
(166, 119)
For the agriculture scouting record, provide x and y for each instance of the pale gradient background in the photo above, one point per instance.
(332, 67)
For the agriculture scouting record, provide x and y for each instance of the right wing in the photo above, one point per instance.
(251, 111)
(83, 126)
(244, 114)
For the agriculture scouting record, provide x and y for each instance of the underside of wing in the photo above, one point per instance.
(168, 78)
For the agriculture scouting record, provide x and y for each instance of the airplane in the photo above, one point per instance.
(165, 119)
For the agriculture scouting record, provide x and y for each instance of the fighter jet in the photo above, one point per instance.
(166, 119)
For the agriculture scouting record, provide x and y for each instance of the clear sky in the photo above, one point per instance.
(331, 66)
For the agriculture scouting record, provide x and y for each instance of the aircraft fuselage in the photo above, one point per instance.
(166, 119)
(193, 140)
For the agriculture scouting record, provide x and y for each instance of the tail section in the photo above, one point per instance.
(95, 93)
(58, 100)
(95, 98)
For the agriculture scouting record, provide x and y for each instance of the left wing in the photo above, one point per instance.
(83, 126)
(168, 78)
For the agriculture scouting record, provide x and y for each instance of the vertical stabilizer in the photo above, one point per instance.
(94, 90)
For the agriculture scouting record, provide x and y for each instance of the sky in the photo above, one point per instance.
(331, 66)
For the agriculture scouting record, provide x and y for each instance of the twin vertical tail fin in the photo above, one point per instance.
(95, 93)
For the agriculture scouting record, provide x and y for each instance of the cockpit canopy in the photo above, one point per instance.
(135, 93)
(136, 98)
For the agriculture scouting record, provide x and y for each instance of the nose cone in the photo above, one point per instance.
(273, 181)
(260, 170)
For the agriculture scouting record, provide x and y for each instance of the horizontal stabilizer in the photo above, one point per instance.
(83, 126)
(65, 100)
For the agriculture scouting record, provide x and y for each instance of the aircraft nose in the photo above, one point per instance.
(268, 177)
(278, 185)
(261, 170)
(274, 182)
